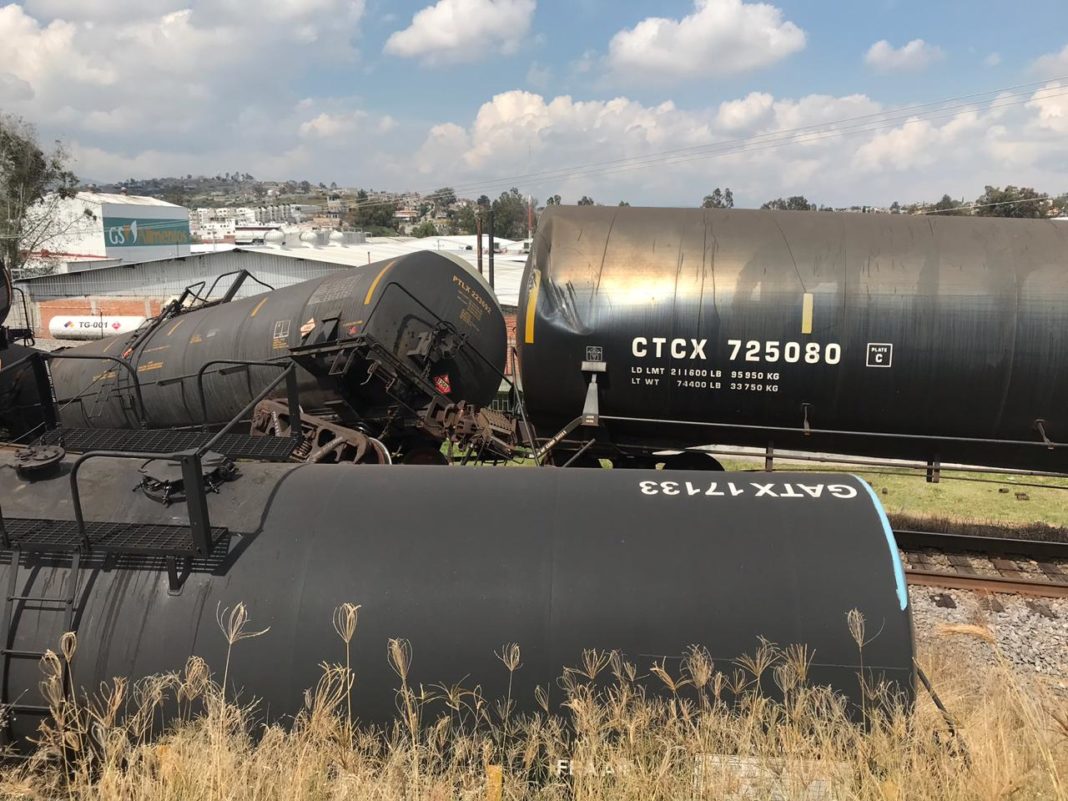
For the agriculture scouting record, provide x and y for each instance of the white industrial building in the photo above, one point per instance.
(94, 229)
(285, 259)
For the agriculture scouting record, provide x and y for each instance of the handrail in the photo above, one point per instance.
(234, 287)
(41, 357)
(289, 375)
(5, 540)
(192, 477)
(837, 432)
(432, 313)
(29, 337)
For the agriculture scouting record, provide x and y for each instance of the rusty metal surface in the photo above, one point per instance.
(322, 441)
(1010, 569)
(868, 323)
(1000, 584)
(471, 428)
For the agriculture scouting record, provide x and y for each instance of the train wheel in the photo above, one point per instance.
(691, 460)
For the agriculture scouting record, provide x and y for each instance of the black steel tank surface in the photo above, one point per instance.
(882, 325)
(644, 562)
(394, 302)
(20, 413)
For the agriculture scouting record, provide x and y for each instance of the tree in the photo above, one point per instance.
(373, 216)
(895, 208)
(793, 203)
(948, 207)
(462, 220)
(719, 199)
(444, 197)
(510, 215)
(553, 201)
(1022, 202)
(585, 200)
(623, 203)
(34, 186)
(425, 229)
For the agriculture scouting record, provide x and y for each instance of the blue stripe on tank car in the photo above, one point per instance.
(895, 556)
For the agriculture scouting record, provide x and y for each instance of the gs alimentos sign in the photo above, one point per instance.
(120, 232)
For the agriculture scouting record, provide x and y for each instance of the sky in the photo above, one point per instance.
(654, 103)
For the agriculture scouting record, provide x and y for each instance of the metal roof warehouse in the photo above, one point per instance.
(141, 289)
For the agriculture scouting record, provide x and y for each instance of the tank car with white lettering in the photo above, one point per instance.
(896, 336)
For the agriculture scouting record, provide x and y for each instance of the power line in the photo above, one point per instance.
(866, 123)
(969, 206)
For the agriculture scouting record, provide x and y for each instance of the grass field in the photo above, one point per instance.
(959, 496)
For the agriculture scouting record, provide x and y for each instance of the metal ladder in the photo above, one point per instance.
(67, 603)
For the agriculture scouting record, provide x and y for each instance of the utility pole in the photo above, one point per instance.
(478, 236)
(491, 249)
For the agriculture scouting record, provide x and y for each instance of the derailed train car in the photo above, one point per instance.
(372, 347)
(928, 338)
(669, 563)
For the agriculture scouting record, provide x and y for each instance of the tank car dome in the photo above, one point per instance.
(337, 238)
(274, 238)
(309, 238)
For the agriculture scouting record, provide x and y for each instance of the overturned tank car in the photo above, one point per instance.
(357, 366)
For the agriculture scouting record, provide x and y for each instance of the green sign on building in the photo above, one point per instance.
(125, 232)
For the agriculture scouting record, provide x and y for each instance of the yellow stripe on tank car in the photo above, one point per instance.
(258, 307)
(532, 305)
(374, 284)
(806, 313)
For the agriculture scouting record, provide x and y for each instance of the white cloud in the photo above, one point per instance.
(227, 11)
(914, 56)
(329, 126)
(1051, 105)
(140, 80)
(751, 144)
(917, 143)
(993, 60)
(736, 115)
(458, 31)
(1052, 64)
(157, 87)
(720, 37)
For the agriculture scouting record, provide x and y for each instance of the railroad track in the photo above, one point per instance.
(993, 564)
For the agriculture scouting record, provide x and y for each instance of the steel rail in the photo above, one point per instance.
(996, 584)
(1051, 556)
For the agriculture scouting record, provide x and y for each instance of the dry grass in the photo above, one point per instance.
(614, 740)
